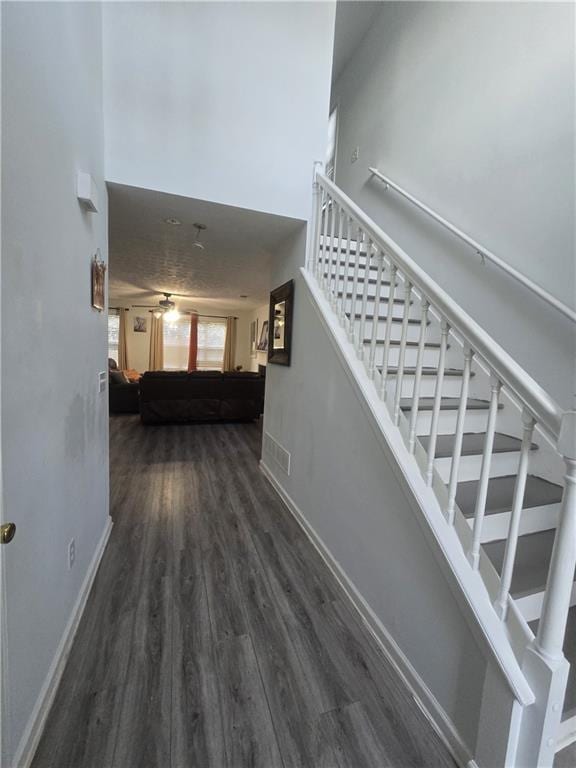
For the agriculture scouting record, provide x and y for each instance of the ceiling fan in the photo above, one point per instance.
(165, 304)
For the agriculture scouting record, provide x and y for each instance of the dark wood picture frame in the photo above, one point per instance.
(280, 324)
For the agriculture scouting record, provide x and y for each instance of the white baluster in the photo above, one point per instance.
(376, 315)
(437, 403)
(360, 344)
(322, 237)
(388, 334)
(460, 422)
(315, 223)
(331, 246)
(482, 495)
(402, 352)
(501, 604)
(354, 297)
(557, 597)
(336, 267)
(347, 262)
(418, 376)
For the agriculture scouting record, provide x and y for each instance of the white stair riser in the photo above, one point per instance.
(450, 387)
(502, 464)
(397, 311)
(475, 421)
(413, 332)
(534, 520)
(342, 286)
(431, 355)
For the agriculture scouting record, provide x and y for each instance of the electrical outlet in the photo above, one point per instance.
(102, 381)
(355, 154)
(71, 553)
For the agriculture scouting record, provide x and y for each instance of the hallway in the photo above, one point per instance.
(214, 635)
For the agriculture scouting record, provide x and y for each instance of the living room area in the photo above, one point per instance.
(188, 307)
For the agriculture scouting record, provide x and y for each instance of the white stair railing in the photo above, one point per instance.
(345, 250)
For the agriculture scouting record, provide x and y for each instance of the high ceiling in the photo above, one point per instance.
(148, 256)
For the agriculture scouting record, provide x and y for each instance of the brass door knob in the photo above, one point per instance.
(7, 532)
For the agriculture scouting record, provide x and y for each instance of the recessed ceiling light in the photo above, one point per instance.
(173, 221)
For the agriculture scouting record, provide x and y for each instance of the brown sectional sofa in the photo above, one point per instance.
(180, 397)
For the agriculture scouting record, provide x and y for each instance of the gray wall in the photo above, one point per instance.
(470, 107)
(54, 421)
(348, 488)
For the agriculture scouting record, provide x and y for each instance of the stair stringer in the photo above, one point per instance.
(467, 584)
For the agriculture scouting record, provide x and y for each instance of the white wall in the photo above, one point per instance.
(470, 107)
(54, 421)
(225, 102)
(349, 491)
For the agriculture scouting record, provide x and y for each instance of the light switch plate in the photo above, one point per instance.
(355, 154)
(102, 381)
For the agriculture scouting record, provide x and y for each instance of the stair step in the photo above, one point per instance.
(473, 444)
(531, 605)
(411, 320)
(360, 279)
(383, 299)
(396, 343)
(539, 492)
(532, 561)
(410, 371)
(446, 404)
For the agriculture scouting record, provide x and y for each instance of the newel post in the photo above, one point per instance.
(313, 230)
(552, 626)
(544, 664)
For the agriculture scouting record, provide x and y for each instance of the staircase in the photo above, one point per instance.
(491, 456)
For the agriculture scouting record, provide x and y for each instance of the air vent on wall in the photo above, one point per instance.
(276, 452)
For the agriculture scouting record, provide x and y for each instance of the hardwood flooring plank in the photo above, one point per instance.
(249, 733)
(347, 737)
(214, 634)
(144, 726)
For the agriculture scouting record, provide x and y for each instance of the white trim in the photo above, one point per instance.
(33, 731)
(422, 695)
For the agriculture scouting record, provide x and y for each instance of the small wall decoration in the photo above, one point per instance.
(98, 281)
(263, 343)
(140, 325)
(280, 320)
(253, 338)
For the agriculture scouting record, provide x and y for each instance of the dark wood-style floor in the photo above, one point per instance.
(214, 634)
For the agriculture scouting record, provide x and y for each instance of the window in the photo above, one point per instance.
(211, 339)
(113, 332)
(176, 342)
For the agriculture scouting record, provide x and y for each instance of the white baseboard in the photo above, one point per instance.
(33, 730)
(422, 695)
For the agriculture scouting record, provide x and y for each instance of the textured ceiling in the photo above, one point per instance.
(148, 256)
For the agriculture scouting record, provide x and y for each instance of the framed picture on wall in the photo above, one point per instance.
(98, 277)
(253, 338)
(263, 343)
(140, 325)
(280, 320)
